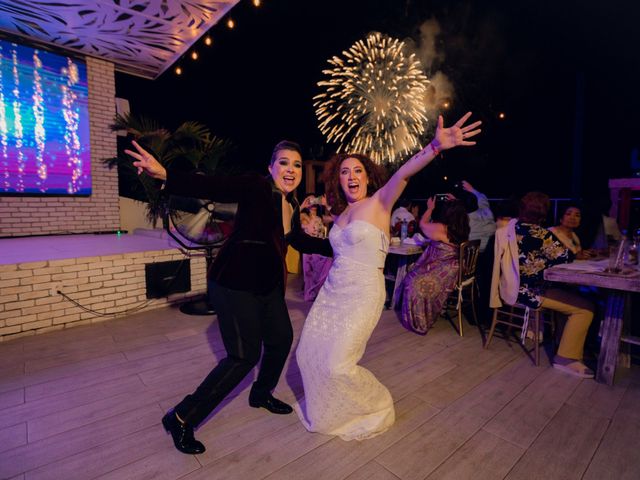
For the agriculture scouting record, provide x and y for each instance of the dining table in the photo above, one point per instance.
(617, 287)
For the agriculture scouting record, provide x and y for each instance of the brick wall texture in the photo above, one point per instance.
(112, 284)
(98, 212)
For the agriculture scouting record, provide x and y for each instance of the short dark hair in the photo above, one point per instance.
(534, 207)
(284, 145)
(404, 203)
(331, 177)
(567, 206)
(469, 200)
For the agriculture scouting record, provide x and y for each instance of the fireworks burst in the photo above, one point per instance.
(375, 100)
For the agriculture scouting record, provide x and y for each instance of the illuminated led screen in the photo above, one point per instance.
(44, 123)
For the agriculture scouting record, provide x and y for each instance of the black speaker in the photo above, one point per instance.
(165, 278)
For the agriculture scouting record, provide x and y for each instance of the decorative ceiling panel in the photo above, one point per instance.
(141, 37)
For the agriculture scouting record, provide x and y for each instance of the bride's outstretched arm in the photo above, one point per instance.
(445, 138)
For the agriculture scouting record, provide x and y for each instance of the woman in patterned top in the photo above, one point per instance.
(539, 249)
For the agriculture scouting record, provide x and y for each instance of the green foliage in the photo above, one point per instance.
(192, 144)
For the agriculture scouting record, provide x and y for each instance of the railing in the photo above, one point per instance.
(556, 203)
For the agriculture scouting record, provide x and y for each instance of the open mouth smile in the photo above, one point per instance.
(353, 187)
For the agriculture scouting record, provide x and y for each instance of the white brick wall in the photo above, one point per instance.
(99, 212)
(110, 284)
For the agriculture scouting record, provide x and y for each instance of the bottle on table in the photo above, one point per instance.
(404, 230)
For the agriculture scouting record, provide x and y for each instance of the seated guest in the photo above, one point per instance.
(482, 226)
(538, 249)
(570, 217)
(315, 268)
(404, 212)
(505, 210)
(481, 222)
(426, 288)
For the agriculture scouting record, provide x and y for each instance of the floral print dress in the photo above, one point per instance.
(538, 249)
(315, 268)
(425, 288)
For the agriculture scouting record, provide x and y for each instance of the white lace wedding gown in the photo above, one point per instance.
(341, 397)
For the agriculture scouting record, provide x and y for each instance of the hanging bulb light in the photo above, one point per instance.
(208, 41)
(178, 70)
(231, 24)
(501, 115)
(257, 3)
(194, 55)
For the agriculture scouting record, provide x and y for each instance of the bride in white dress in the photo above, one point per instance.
(341, 397)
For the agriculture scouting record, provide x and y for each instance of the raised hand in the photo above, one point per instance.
(450, 197)
(145, 162)
(457, 134)
(306, 203)
(467, 186)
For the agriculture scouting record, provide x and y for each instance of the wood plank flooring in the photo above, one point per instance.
(86, 403)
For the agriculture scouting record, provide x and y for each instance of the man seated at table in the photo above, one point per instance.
(538, 249)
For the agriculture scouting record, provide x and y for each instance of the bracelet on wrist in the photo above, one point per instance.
(435, 147)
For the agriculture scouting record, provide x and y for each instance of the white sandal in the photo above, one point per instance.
(577, 369)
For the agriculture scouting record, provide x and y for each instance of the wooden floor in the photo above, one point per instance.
(86, 403)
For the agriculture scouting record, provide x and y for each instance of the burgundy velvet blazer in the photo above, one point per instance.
(253, 258)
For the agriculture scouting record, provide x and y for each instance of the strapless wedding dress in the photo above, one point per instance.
(341, 397)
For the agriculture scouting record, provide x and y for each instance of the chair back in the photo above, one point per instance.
(468, 259)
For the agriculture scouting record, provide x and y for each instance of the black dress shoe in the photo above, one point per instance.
(272, 404)
(182, 435)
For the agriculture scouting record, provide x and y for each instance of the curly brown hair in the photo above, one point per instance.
(534, 207)
(331, 178)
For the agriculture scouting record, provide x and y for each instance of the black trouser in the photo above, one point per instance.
(247, 321)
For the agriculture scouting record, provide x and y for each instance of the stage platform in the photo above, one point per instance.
(58, 247)
(86, 403)
(104, 273)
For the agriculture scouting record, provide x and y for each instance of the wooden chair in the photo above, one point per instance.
(468, 260)
(523, 318)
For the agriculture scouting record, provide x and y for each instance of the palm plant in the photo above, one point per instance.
(191, 144)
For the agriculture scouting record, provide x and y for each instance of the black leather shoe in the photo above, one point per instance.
(182, 435)
(272, 404)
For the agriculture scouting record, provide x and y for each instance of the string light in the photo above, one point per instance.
(501, 116)
(208, 41)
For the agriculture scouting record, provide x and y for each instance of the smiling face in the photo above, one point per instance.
(571, 218)
(286, 170)
(353, 179)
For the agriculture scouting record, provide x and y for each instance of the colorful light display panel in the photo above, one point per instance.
(44, 123)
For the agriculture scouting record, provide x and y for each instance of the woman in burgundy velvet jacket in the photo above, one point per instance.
(246, 281)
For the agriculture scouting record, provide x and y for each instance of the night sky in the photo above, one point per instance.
(554, 68)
